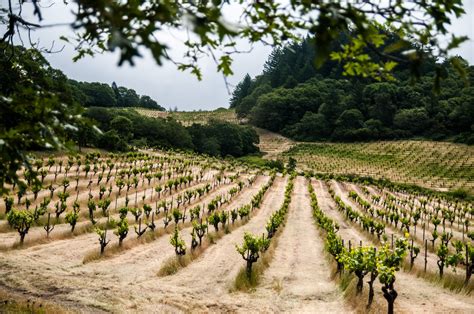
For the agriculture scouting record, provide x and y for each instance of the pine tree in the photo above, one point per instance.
(243, 89)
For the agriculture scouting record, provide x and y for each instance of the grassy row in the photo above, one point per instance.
(451, 281)
(334, 246)
(263, 247)
(175, 263)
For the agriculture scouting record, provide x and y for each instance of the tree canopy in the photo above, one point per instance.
(36, 109)
(94, 94)
(40, 108)
(123, 129)
(323, 104)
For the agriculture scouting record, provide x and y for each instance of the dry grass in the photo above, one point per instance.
(5, 227)
(175, 263)
(242, 281)
(451, 281)
(11, 302)
(277, 285)
(116, 249)
(146, 238)
(273, 145)
(187, 118)
(358, 302)
(245, 284)
(347, 284)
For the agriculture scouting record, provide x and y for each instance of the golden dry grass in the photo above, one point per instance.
(245, 284)
(12, 303)
(175, 263)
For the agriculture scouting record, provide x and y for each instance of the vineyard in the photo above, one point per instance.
(158, 231)
(187, 118)
(435, 165)
(336, 177)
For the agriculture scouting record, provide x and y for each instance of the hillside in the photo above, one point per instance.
(439, 166)
(273, 145)
(187, 118)
(442, 166)
(294, 98)
(435, 165)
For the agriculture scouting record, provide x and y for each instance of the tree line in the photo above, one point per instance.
(35, 96)
(294, 97)
(95, 94)
(120, 130)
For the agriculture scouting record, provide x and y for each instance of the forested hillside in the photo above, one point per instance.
(295, 98)
(122, 129)
(103, 123)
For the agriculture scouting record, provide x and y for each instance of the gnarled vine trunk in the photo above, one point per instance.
(390, 295)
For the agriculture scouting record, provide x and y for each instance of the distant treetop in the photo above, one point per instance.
(97, 94)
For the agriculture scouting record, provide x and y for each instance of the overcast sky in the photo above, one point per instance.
(166, 84)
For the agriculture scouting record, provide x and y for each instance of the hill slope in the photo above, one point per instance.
(187, 118)
(435, 165)
(293, 98)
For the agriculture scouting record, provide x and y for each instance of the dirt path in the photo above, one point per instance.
(273, 144)
(298, 279)
(415, 295)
